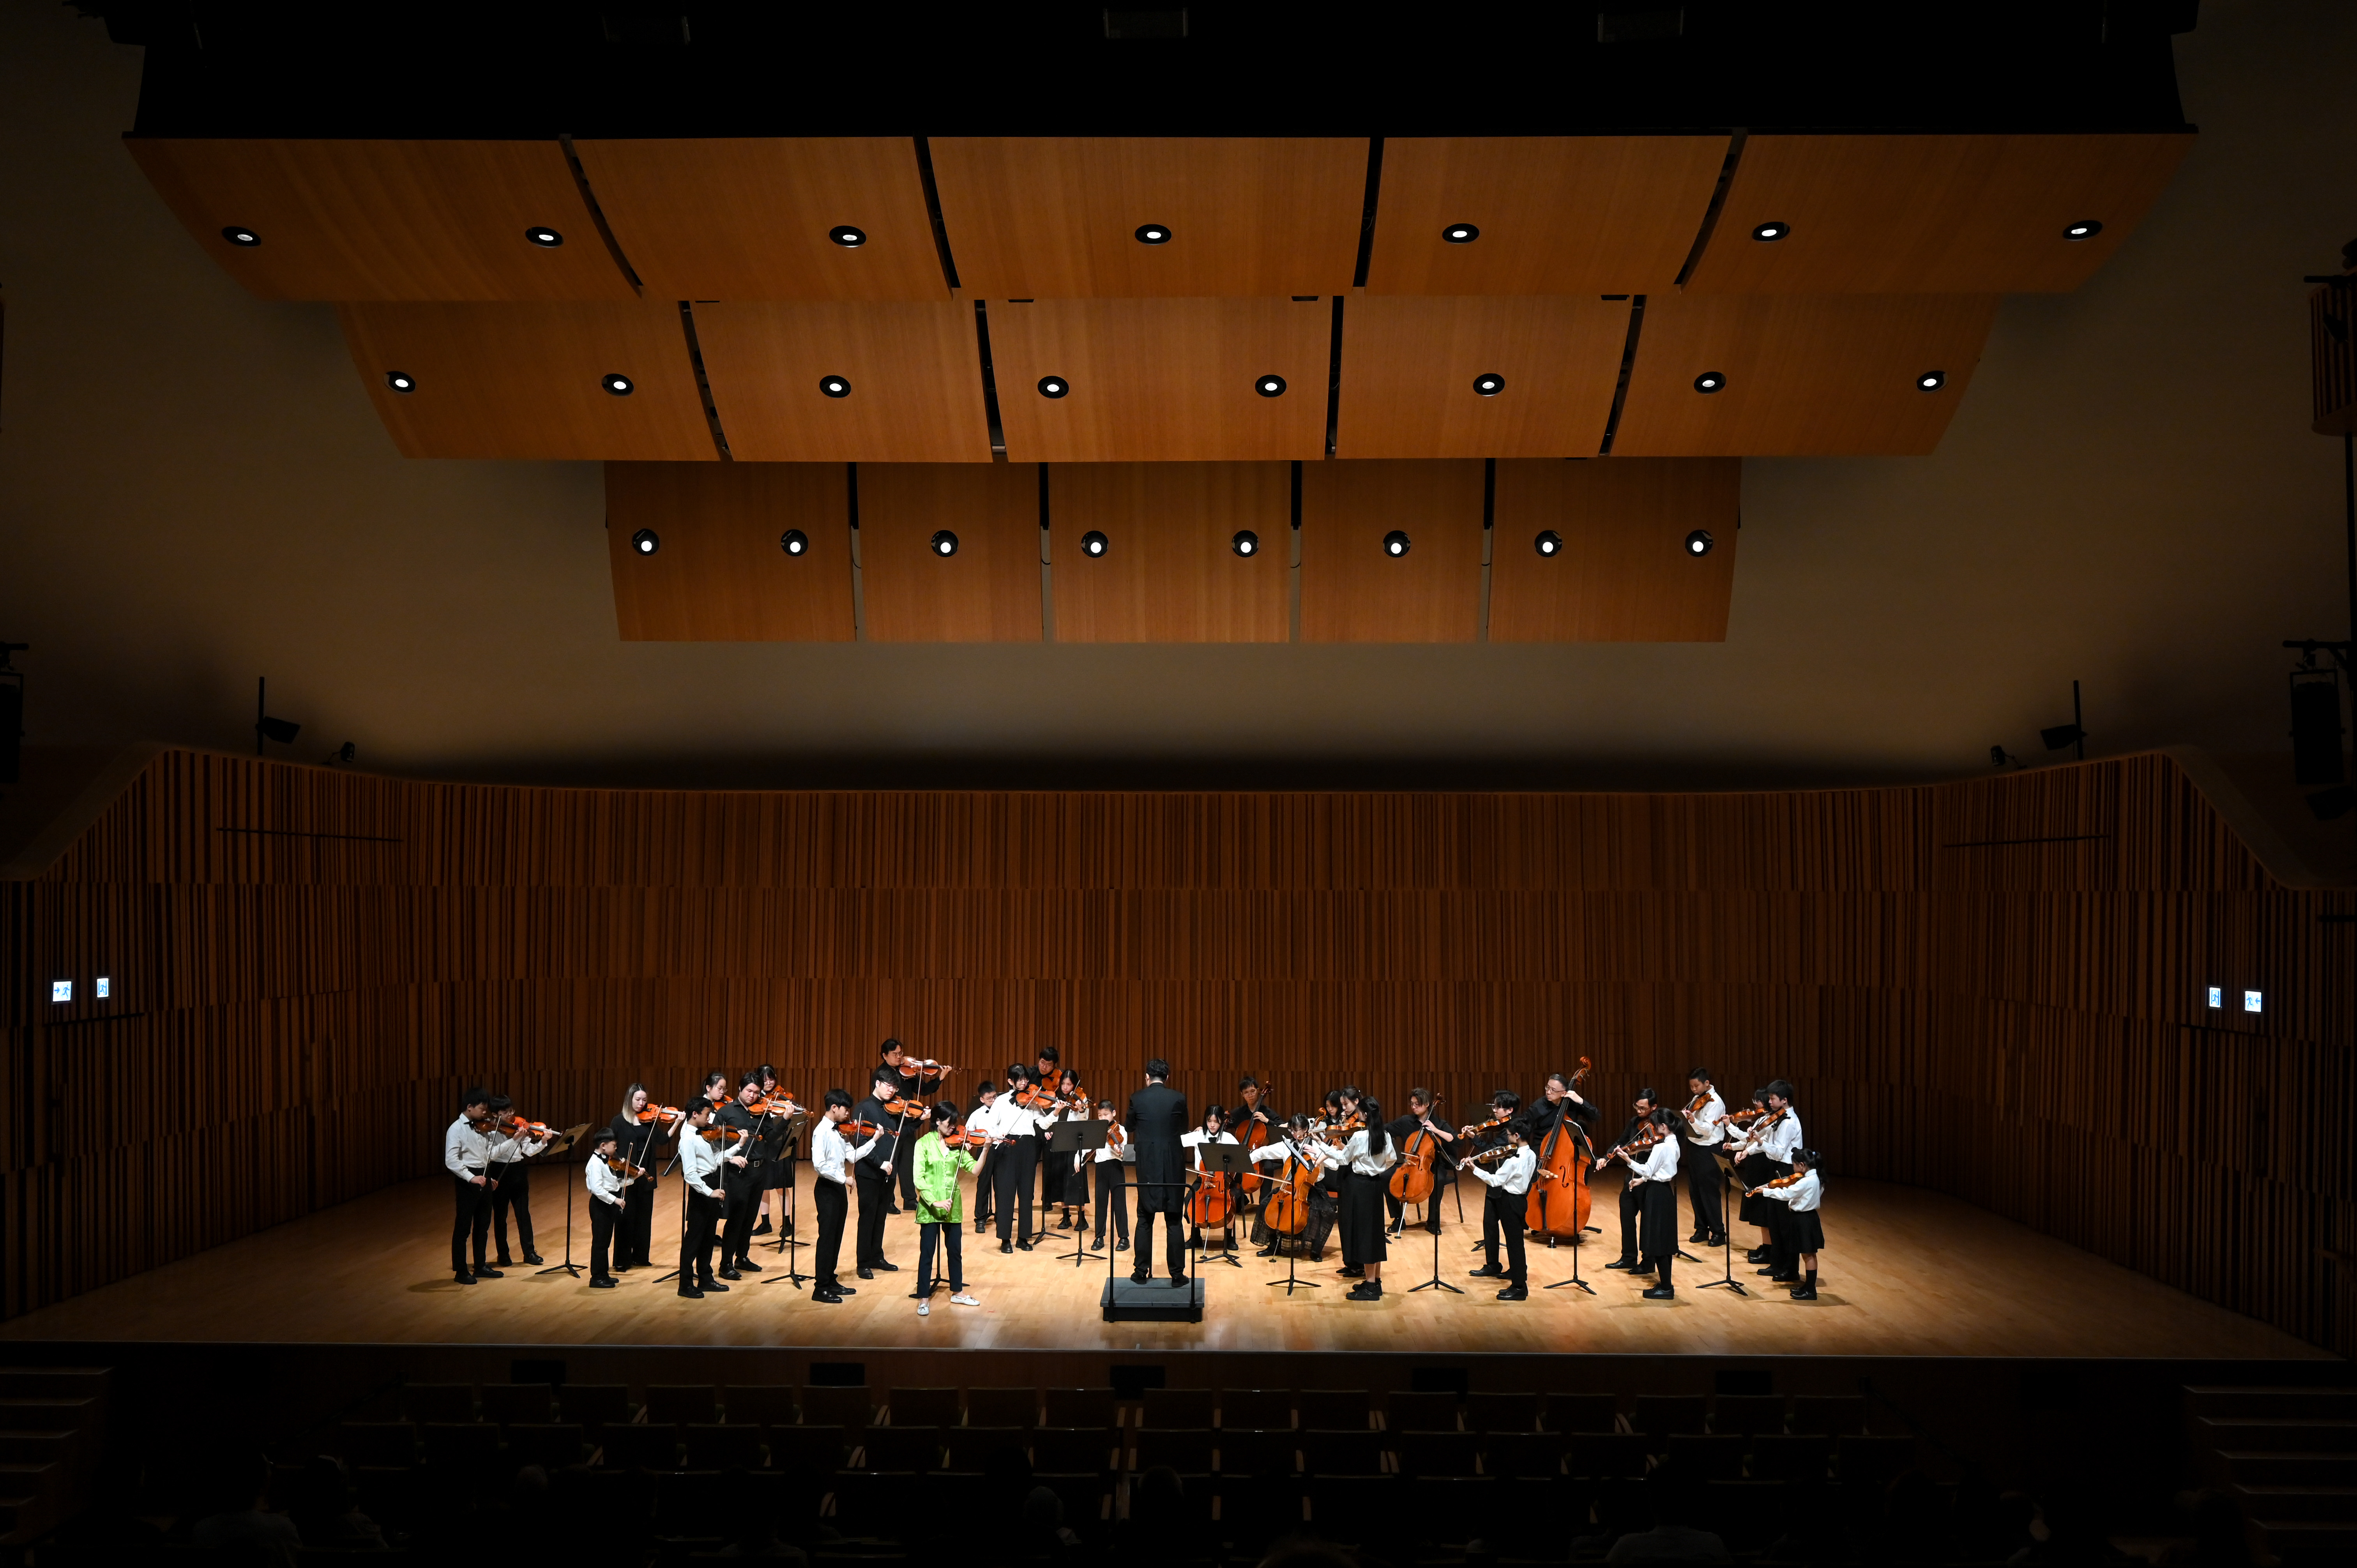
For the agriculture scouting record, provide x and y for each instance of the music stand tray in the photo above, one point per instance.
(1072, 1138)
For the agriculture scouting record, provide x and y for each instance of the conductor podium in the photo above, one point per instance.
(1126, 1301)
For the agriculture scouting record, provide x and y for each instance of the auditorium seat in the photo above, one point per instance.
(914, 1449)
(1874, 1460)
(1244, 1451)
(1440, 1454)
(1002, 1407)
(1598, 1454)
(423, 1402)
(1068, 1450)
(383, 1444)
(1080, 1406)
(552, 1446)
(639, 1447)
(1709, 1458)
(1356, 1452)
(849, 1407)
(1348, 1508)
(1793, 1458)
(1420, 1412)
(1662, 1416)
(923, 1407)
(1531, 1456)
(1828, 1415)
(458, 1444)
(713, 1446)
(1748, 1515)
(1332, 1409)
(1179, 1410)
(1580, 1413)
(677, 1405)
(970, 1447)
(1747, 1415)
(1084, 1495)
(1260, 1409)
(1516, 1412)
(504, 1404)
(1257, 1508)
(594, 1405)
(811, 1450)
(1188, 1452)
(759, 1404)
(692, 1504)
(1445, 1511)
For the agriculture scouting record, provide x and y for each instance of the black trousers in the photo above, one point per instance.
(949, 1238)
(1632, 1202)
(514, 1191)
(695, 1252)
(1431, 1220)
(602, 1216)
(1705, 1186)
(742, 1206)
(1016, 1159)
(904, 1160)
(875, 1204)
(1503, 1214)
(634, 1236)
(986, 1183)
(474, 1218)
(1112, 1189)
(834, 1207)
(1174, 1226)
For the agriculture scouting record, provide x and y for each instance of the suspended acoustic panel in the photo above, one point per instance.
(1174, 565)
(1605, 550)
(1353, 589)
(387, 221)
(987, 590)
(809, 382)
(1161, 379)
(1540, 214)
(2332, 358)
(1960, 214)
(1468, 377)
(769, 217)
(531, 380)
(1800, 375)
(1132, 216)
(720, 569)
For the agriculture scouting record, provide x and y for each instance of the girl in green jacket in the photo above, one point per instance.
(940, 1211)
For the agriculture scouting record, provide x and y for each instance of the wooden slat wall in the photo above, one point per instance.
(2015, 963)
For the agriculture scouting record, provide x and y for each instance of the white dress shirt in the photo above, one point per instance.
(1513, 1175)
(1659, 1163)
(1802, 1194)
(1706, 1126)
(506, 1149)
(1779, 1142)
(983, 1119)
(832, 1154)
(1196, 1140)
(604, 1186)
(1126, 1155)
(465, 1152)
(699, 1162)
(1354, 1154)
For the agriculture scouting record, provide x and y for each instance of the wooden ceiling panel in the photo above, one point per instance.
(914, 373)
(527, 379)
(1161, 379)
(721, 572)
(1411, 367)
(1931, 214)
(1623, 571)
(1553, 214)
(1352, 591)
(386, 220)
(989, 590)
(1171, 572)
(1804, 375)
(1057, 217)
(751, 217)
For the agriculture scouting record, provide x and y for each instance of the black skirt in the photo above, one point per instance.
(1754, 1170)
(1799, 1228)
(1657, 1219)
(1363, 1218)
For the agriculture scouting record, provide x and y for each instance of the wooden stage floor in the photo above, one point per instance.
(1907, 1273)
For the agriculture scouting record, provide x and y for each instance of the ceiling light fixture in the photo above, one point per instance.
(794, 542)
(547, 238)
(1246, 542)
(619, 385)
(849, 238)
(834, 386)
(646, 541)
(1270, 386)
(1770, 231)
(1931, 380)
(1488, 383)
(2085, 229)
(1054, 386)
(239, 234)
(1548, 543)
(1093, 543)
(1154, 234)
(1699, 541)
(1710, 382)
(1396, 544)
(401, 381)
(945, 543)
(1460, 234)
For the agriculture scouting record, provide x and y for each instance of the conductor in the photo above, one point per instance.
(1157, 1119)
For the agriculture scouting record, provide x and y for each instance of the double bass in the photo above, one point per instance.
(1558, 1206)
(1411, 1177)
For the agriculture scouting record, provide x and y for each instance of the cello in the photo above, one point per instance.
(1411, 1177)
(1558, 1206)
(1255, 1134)
(1287, 1213)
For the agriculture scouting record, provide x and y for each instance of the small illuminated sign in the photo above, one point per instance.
(2250, 1001)
(60, 990)
(2217, 996)
(98, 989)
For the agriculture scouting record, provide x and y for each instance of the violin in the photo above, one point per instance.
(857, 1132)
(1737, 1118)
(1412, 1180)
(1651, 1133)
(658, 1114)
(1339, 1133)
(973, 1140)
(1699, 1101)
(1490, 1155)
(722, 1134)
(778, 1103)
(904, 1107)
(1115, 1138)
(1793, 1180)
(623, 1168)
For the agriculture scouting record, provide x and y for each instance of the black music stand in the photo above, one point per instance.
(564, 1142)
(1726, 1231)
(1547, 1198)
(788, 1242)
(1293, 1254)
(1435, 1282)
(1075, 1138)
(1223, 1160)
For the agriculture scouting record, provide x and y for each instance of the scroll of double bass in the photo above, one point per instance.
(1558, 1206)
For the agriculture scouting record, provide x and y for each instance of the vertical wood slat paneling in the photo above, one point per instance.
(2016, 962)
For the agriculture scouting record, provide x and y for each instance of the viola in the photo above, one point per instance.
(1412, 1179)
(1558, 1206)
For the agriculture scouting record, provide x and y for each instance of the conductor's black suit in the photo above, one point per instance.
(1156, 1121)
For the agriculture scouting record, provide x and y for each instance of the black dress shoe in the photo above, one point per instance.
(1714, 1240)
(483, 1273)
(842, 1289)
(606, 1284)
(894, 1209)
(1698, 1236)
(1122, 1245)
(1783, 1279)
(887, 1268)
(1065, 1223)
(1660, 1293)
(748, 1265)
(1513, 1293)
(1352, 1271)
(762, 1228)
(1757, 1255)
(828, 1296)
(622, 1268)
(1022, 1246)
(1486, 1271)
(1097, 1245)
(1621, 1264)
(1267, 1251)
(982, 1225)
(866, 1272)
(1177, 1282)
(507, 1263)
(1140, 1277)
(1007, 1246)
(1805, 1291)
(730, 1275)
(464, 1279)
(710, 1285)
(532, 1259)
(689, 1292)
(1371, 1290)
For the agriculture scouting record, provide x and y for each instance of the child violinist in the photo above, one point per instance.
(940, 1221)
(1112, 1163)
(608, 1176)
(1798, 1227)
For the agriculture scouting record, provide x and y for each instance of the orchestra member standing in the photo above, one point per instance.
(1803, 1233)
(1443, 1160)
(740, 1178)
(1156, 1121)
(1654, 1176)
(980, 1121)
(467, 1155)
(1073, 1168)
(832, 1159)
(1779, 1137)
(873, 1174)
(1016, 1128)
(511, 1190)
(1113, 1163)
(1631, 1196)
(1050, 1076)
(1504, 1209)
(1752, 1169)
(1705, 1121)
(776, 1158)
(1362, 1162)
(699, 1167)
(606, 1186)
(1561, 1104)
(636, 1141)
(910, 1082)
(939, 1219)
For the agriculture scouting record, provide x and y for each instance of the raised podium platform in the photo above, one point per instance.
(1126, 1301)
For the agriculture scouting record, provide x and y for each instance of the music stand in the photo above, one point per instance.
(1575, 1283)
(1435, 1282)
(1293, 1253)
(1222, 1160)
(1726, 1231)
(563, 1142)
(789, 1243)
(1075, 1138)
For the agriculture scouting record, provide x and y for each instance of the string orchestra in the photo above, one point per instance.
(1043, 1154)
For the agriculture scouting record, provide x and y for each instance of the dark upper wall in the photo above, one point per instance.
(193, 491)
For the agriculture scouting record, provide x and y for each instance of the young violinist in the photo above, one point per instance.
(467, 1155)
(831, 1160)
(637, 1131)
(740, 1176)
(939, 1218)
(910, 1080)
(1015, 1151)
(699, 1167)
(1113, 1163)
(1444, 1159)
(1073, 1171)
(607, 1185)
(1778, 1138)
(1053, 1175)
(872, 1175)
(1212, 1131)
(1631, 1196)
(777, 1161)
(1655, 1173)
(985, 1176)
(1801, 1233)
(1705, 1119)
(513, 1187)
(1362, 1162)
(1752, 1169)
(1503, 1210)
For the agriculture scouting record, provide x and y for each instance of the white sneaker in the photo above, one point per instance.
(924, 1309)
(961, 1299)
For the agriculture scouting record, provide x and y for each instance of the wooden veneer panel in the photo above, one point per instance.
(1352, 591)
(988, 591)
(722, 574)
(914, 370)
(1623, 573)
(1170, 573)
(1410, 368)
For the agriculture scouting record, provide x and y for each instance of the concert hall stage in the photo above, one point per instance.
(1907, 1272)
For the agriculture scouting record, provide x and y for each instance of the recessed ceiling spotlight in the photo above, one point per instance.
(1699, 541)
(1093, 543)
(794, 542)
(1771, 230)
(1396, 544)
(1931, 380)
(1548, 543)
(646, 541)
(401, 381)
(1710, 380)
(239, 234)
(2085, 229)
(1488, 383)
(849, 238)
(619, 385)
(1054, 386)
(945, 543)
(1270, 386)
(1154, 234)
(1246, 542)
(834, 386)
(1460, 234)
(545, 238)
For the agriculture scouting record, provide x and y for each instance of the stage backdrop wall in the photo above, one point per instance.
(1997, 989)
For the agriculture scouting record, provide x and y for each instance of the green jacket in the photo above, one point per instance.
(939, 1199)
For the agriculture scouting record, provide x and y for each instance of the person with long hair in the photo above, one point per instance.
(1362, 1162)
(777, 1164)
(636, 1141)
(1653, 1175)
(941, 1221)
